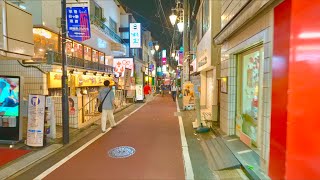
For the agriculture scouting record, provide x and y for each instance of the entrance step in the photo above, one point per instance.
(219, 155)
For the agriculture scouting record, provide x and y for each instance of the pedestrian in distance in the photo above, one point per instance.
(163, 87)
(173, 89)
(108, 106)
(147, 91)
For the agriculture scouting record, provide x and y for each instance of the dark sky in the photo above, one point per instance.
(154, 16)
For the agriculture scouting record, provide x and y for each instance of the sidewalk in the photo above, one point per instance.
(38, 154)
(206, 160)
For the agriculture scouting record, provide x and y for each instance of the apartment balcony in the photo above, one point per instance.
(54, 58)
(117, 47)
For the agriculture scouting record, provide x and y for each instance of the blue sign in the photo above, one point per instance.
(35, 101)
(78, 23)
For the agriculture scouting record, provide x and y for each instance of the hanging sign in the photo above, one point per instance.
(135, 35)
(78, 23)
(36, 112)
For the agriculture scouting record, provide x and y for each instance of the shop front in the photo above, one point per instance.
(245, 85)
(84, 89)
(205, 65)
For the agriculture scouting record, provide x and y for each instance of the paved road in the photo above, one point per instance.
(154, 133)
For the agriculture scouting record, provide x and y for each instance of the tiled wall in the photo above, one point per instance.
(258, 31)
(35, 81)
(229, 9)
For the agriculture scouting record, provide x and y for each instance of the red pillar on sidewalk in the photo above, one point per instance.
(295, 118)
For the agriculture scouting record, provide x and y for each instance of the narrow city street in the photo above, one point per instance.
(153, 133)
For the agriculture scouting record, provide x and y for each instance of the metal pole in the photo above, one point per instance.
(64, 85)
(185, 30)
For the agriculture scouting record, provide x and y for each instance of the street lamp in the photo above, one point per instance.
(180, 17)
(180, 26)
(152, 51)
(157, 47)
(173, 18)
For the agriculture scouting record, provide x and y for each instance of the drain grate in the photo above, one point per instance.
(121, 152)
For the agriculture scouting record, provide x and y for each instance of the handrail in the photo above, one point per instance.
(88, 103)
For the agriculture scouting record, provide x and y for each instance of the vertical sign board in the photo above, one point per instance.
(127, 81)
(135, 35)
(139, 92)
(164, 56)
(36, 112)
(78, 23)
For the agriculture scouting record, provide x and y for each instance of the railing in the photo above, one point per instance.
(55, 58)
(96, 21)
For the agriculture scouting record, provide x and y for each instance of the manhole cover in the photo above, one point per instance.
(121, 152)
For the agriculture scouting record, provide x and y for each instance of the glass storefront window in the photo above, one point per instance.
(101, 58)
(69, 47)
(87, 53)
(95, 56)
(248, 94)
(44, 41)
(78, 50)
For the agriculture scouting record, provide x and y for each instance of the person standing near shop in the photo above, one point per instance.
(147, 91)
(173, 89)
(107, 106)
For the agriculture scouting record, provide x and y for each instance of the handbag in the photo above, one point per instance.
(100, 105)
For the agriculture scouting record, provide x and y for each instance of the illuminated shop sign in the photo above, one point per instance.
(164, 56)
(78, 23)
(135, 35)
(120, 64)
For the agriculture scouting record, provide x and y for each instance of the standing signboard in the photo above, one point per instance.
(36, 112)
(188, 95)
(139, 92)
(78, 23)
(135, 35)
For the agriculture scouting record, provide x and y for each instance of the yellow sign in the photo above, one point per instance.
(54, 79)
(77, 80)
(188, 94)
(91, 80)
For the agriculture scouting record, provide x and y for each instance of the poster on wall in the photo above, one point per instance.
(224, 85)
(120, 64)
(36, 112)
(188, 95)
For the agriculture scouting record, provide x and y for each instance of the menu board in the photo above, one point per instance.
(36, 113)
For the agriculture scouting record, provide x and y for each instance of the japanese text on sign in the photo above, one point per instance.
(78, 23)
(135, 35)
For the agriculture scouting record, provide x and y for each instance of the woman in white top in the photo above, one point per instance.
(173, 91)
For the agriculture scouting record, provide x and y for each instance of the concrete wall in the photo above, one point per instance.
(35, 82)
(229, 9)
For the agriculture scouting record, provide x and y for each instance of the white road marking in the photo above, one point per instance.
(185, 151)
(245, 151)
(61, 162)
(235, 139)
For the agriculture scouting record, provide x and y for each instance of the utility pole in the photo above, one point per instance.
(185, 33)
(64, 85)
